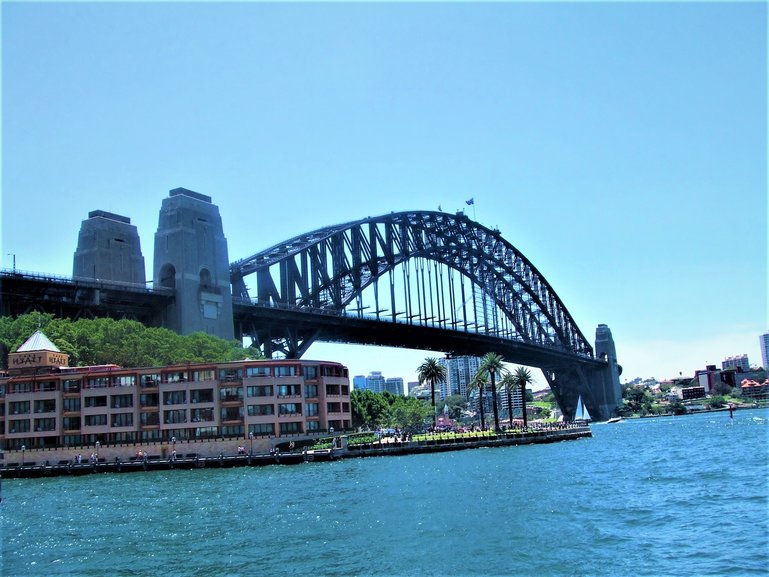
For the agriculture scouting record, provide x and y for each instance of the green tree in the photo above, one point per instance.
(369, 410)
(456, 404)
(509, 383)
(408, 413)
(122, 342)
(479, 381)
(432, 373)
(523, 378)
(493, 365)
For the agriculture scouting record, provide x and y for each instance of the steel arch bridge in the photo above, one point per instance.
(425, 280)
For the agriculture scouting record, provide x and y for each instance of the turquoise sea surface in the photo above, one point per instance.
(666, 496)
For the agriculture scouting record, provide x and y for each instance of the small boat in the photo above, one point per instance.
(581, 413)
(614, 420)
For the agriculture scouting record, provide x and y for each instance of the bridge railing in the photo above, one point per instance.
(85, 281)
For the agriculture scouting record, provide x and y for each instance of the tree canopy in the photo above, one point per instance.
(122, 342)
(371, 410)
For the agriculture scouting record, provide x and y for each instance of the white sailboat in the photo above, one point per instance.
(581, 414)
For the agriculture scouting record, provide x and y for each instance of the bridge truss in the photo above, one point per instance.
(427, 269)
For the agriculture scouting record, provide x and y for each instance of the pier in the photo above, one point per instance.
(389, 447)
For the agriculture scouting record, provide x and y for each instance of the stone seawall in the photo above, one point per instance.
(224, 454)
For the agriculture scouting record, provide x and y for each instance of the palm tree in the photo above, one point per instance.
(479, 381)
(493, 365)
(522, 378)
(508, 382)
(432, 373)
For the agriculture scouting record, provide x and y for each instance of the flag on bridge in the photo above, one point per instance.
(469, 202)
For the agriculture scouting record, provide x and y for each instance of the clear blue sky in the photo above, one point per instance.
(622, 147)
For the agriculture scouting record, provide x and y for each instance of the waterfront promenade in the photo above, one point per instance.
(33, 468)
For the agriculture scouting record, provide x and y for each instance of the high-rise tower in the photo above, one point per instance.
(764, 341)
(191, 258)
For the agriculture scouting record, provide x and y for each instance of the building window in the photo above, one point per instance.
(290, 428)
(333, 407)
(70, 423)
(151, 380)
(310, 373)
(19, 408)
(122, 401)
(289, 390)
(230, 394)
(19, 426)
(98, 382)
(45, 406)
(204, 375)
(72, 440)
(174, 397)
(124, 381)
(123, 420)
(71, 405)
(231, 413)
(310, 391)
(149, 419)
(175, 377)
(232, 431)
(260, 391)
(258, 371)
(313, 426)
(71, 386)
(202, 415)
(91, 402)
(230, 374)
(148, 400)
(45, 425)
(262, 429)
(202, 396)
(258, 410)
(95, 420)
(21, 387)
(45, 386)
(333, 390)
(174, 416)
(311, 409)
(285, 371)
(290, 409)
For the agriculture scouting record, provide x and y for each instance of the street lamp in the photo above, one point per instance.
(23, 449)
(98, 444)
(251, 438)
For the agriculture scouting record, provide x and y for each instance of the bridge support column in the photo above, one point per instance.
(191, 257)
(599, 388)
(605, 382)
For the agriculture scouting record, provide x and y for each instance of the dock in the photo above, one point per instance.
(385, 447)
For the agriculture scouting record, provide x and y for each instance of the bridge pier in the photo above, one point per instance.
(599, 388)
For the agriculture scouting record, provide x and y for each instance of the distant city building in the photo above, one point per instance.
(692, 393)
(359, 382)
(375, 382)
(394, 385)
(707, 379)
(764, 340)
(739, 363)
(411, 386)
(459, 372)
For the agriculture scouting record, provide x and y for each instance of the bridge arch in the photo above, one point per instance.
(327, 269)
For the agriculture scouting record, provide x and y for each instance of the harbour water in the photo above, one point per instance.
(667, 496)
